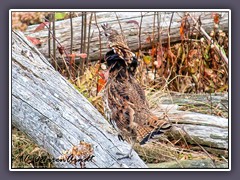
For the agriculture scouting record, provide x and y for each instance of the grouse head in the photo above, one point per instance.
(109, 33)
(120, 55)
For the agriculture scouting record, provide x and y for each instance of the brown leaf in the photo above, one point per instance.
(170, 54)
(82, 55)
(181, 30)
(41, 26)
(100, 83)
(153, 51)
(60, 49)
(35, 41)
(208, 72)
(216, 18)
(160, 56)
(148, 39)
(193, 53)
(159, 61)
(72, 56)
(133, 21)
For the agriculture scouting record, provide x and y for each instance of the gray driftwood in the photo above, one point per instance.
(55, 115)
(210, 132)
(200, 163)
(128, 21)
(207, 103)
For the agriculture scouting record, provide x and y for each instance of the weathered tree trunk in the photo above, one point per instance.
(130, 24)
(52, 112)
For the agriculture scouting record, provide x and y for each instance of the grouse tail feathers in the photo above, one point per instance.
(152, 127)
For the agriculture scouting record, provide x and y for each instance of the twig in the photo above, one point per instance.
(71, 46)
(81, 48)
(158, 26)
(158, 44)
(59, 68)
(100, 42)
(224, 159)
(120, 26)
(199, 146)
(169, 29)
(84, 40)
(100, 48)
(159, 39)
(211, 103)
(71, 26)
(215, 45)
(139, 33)
(224, 106)
(153, 46)
(80, 67)
(89, 32)
(55, 37)
(54, 43)
(168, 82)
(69, 74)
(153, 34)
(49, 37)
(140, 46)
(85, 32)
(187, 33)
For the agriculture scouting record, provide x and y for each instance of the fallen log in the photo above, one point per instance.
(130, 25)
(212, 103)
(201, 163)
(203, 131)
(55, 115)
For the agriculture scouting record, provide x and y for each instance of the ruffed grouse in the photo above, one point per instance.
(125, 103)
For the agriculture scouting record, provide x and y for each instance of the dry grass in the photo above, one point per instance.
(160, 149)
(157, 152)
(87, 86)
(26, 154)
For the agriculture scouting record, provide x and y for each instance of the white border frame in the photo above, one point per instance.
(116, 10)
